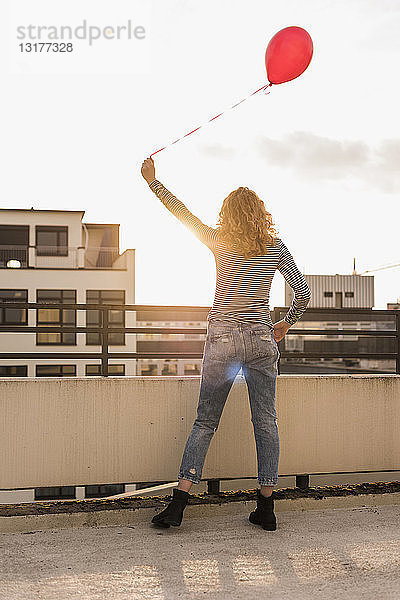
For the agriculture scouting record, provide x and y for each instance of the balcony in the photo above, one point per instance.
(61, 257)
(14, 257)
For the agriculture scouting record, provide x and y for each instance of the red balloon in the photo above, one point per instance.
(288, 54)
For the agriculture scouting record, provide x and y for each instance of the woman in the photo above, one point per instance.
(240, 335)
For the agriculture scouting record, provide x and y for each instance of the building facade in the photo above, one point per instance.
(337, 291)
(171, 342)
(50, 256)
(351, 300)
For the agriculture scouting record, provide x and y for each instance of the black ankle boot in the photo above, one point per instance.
(173, 513)
(264, 513)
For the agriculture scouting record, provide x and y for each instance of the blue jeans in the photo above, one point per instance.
(228, 348)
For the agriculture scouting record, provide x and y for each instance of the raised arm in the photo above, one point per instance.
(203, 232)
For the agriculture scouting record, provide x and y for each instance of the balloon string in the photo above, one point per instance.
(264, 87)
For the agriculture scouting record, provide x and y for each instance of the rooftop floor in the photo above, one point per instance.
(340, 552)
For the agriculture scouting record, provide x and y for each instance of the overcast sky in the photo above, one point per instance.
(322, 151)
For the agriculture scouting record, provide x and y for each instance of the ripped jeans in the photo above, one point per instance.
(228, 348)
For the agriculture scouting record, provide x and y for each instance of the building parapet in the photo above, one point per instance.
(61, 257)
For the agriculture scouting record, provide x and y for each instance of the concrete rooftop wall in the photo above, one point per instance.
(82, 431)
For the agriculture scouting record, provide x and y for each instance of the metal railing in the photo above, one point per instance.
(14, 254)
(363, 315)
(106, 328)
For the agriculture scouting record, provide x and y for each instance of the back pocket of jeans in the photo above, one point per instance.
(262, 344)
(220, 337)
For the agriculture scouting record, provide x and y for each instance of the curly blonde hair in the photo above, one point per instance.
(244, 223)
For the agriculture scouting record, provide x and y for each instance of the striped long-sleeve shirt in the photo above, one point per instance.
(242, 285)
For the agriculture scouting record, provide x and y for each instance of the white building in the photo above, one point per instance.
(53, 256)
(337, 291)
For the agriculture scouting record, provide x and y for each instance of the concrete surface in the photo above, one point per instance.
(84, 514)
(344, 553)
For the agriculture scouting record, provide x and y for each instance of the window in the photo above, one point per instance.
(349, 294)
(112, 370)
(51, 240)
(332, 325)
(14, 242)
(192, 369)
(55, 370)
(100, 491)
(192, 336)
(149, 337)
(13, 315)
(149, 369)
(328, 294)
(164, 336)
(146, 336)
(294, 343)
(55, 493)
(116, 318)
(13, 371)
(169, 367)
(14, 235)
(56, 316)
